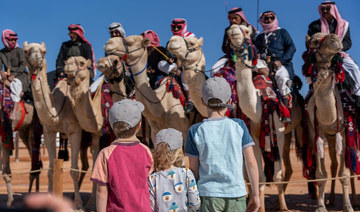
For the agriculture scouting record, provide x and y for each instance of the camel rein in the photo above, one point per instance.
(44, 99)
(137, 88)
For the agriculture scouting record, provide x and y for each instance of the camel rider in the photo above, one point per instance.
(12, 56)
(158, 65)
(276, 44)
(77, 46)
(179, 27)
(235, 16)
(330, 21)
(115, 30)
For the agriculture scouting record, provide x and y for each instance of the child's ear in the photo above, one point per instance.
(138, 127)
(202, 101)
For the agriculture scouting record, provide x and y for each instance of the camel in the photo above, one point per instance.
(328, 115)
(251, 106)
(55, 112)
(25, 132)
(162, 110)
(86, 109)
(188, 51)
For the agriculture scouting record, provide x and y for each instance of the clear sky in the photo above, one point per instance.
(47, 21)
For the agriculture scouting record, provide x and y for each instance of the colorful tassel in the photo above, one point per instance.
(320, 147)
(338, 146)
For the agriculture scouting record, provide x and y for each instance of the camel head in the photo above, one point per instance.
(238, 33)
(326, 44)
(132, 47)
(111, 66)
(185, 48)
(34, 56)
(76, 69)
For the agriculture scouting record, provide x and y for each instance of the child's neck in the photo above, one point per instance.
(127, 140)
(216, 114)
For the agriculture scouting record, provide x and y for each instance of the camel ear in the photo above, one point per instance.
(145, 42)
(25, 44)
(88, 63)
(201, 41)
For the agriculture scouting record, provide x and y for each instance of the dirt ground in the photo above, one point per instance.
(296, 194)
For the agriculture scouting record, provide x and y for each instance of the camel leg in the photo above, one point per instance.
(355, 200)
(345, 172)
(91, 203)
(286, 158)
(5, 163)
(278, 172)
(320, 174)
(50, 141)
(83, 155)
(75, 139)
(334, 166)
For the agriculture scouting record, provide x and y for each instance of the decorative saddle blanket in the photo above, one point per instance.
(172, 86)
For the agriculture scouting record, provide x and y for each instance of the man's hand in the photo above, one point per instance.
(253, 204)
(277, 64)
(3, 75)
(176, 72)
(170, 60)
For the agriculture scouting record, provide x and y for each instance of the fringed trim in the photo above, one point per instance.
(320, 146)
(338, 146)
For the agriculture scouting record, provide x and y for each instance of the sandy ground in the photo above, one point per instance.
(296, 194)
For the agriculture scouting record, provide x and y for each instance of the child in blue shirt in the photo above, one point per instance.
(216, 148)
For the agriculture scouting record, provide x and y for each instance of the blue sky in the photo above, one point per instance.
(47, 21)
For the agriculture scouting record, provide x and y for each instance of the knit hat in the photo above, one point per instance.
(216, 88)
(170, 136)
(126, 110)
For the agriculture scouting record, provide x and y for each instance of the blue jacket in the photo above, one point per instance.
(281, 47)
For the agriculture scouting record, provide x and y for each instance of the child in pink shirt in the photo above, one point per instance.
(121, 169)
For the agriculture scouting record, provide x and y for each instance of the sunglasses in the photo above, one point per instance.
(325, 8)
(176, 27)
(12, 39)
(269, 18)
(73, 28)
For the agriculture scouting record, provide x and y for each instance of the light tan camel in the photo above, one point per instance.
(162, 110)
(325, 98)
(251, 106)
(54, 111)
(86, 109)
(25, 132)
(112, 68)
(188, 51)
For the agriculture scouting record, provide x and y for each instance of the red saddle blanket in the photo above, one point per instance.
(172, 86)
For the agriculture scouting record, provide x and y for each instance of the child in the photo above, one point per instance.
(216, 147)
(172, 188)
(121, 169)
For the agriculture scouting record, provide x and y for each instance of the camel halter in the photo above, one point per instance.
(240, 51)
(127, 52)
(118, 79)
(189, 51)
